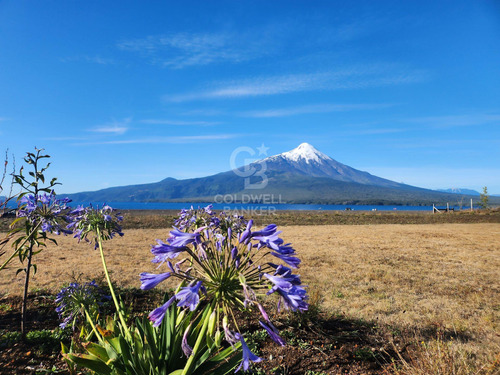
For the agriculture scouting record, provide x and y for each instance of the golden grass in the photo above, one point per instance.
(437, 283)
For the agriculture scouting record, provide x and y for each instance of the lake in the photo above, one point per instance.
(256, 207)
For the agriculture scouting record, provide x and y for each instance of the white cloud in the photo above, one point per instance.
(178, 123)
(352, 78)
(313, 108)
(179, 50)
(173, 139)
(114, 127)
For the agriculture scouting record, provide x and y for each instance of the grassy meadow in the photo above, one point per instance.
(433, 288)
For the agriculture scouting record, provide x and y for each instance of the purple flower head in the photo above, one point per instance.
(188, 296)
(158, 314)
(273, 333)
(45, 210)
(70, 299)
(248, 356)
(93, 222)
(150, 280)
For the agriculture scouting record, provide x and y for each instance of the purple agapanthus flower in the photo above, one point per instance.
(293, 262)
(280, 269)
(248, 356)
(188, 296)
(285, 249)
(163, 251)
(273, 333)
(45, 210)
(224, 256)
(186, 348)
(89, 221)
(157, 315)
(279, 282)
(245, 235)
(294, 298)
(266, 232)
(286, 281)
(70, 299)
(150, 280)
(180, 239)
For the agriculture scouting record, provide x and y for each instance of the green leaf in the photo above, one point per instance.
(98, 351)
(64, 348)
(89, 361)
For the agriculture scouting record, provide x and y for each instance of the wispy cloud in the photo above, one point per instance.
(452, 121)
(353, 78)
(178, 123)
(173, 139)
(311, 109)
(114, 127)
(179, 50)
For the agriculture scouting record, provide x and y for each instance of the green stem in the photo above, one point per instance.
(25, 295)
(111, 289)
(92, 324)
(20, 246)
(201, 336)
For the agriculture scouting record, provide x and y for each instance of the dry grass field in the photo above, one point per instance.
(434, 284)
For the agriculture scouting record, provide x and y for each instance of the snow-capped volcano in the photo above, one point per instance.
(305, 152)
(307, 160)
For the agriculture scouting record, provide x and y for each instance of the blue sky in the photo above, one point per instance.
(133, 92)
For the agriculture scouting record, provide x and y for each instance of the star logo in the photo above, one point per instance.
(262, 149)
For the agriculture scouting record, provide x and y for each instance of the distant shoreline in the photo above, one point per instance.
(147, 219)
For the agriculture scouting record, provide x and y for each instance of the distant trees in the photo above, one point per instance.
(484, 198)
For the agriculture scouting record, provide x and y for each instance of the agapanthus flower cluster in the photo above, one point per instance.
(87, 223)
(46, 211)
(73, 300)
(221, 259)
